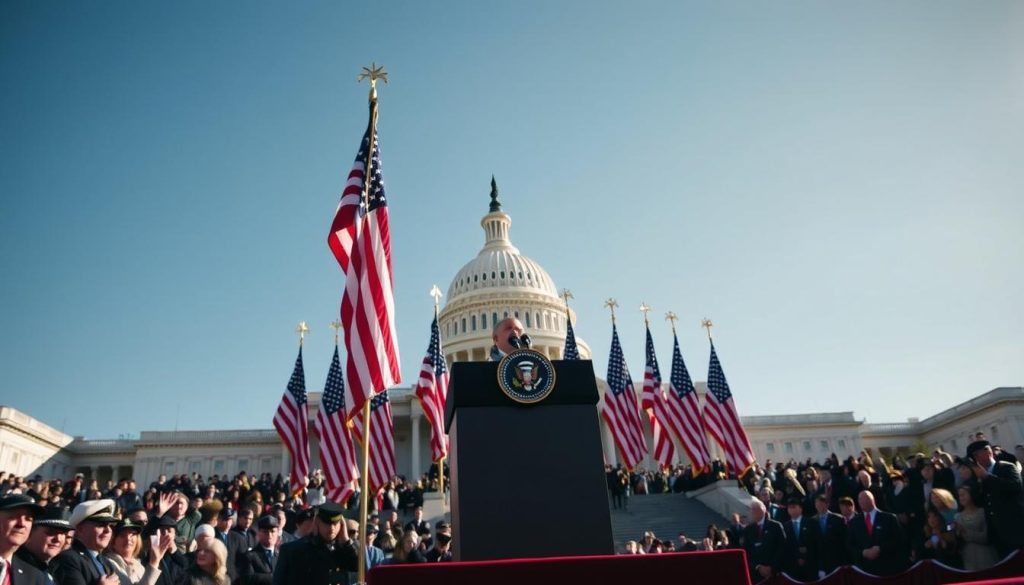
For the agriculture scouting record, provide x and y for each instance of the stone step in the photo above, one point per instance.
(666, 515)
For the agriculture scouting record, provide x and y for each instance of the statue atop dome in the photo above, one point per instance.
(495, 204)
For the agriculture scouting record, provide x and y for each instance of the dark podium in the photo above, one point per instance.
(526, 480)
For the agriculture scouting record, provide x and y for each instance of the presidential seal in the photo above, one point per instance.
(526, 376)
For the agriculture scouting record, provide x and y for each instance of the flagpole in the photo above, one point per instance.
(611, 303)
(373, 73)
(436, 294)
(567, 294)
(302, 329)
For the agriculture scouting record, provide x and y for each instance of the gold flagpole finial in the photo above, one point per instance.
(566, 295)
(645, 308)
(611, 304)
(436, 293)
(335, 325)
(302, 330)
(707, 324)
(670, 316)
(374, 73)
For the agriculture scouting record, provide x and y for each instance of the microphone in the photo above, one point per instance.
(526, 340)
(514, 341)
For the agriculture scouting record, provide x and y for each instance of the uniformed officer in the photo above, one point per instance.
(325, 557)
(257, 568)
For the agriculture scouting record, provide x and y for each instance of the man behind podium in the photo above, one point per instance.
(764, 540)
(510, 327)
(874, 539)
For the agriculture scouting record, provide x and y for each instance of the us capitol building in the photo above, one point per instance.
(499, 282)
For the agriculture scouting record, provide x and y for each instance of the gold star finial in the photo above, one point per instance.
(567, 294)
(436, 293)
(707, 324)
(612, 304)
(645, 308)
(670, 316)
(374, 73)
(335, 325)
(302, 330)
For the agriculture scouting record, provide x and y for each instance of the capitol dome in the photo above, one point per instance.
(500, 282)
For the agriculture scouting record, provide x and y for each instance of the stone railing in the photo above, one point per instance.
(907, 428)
(236, 436)
(779, 420)
(22, 422)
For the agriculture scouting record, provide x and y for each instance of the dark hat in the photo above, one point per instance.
(304, 515)
(977, 446)
(372, 528)
(443, 538)
(54, 518)
(20, 501)
(226, 513)
(166, 521)
(794, 501)
(127, 525)
(441, 525)
(330, 512)
(267, 522)
(99, 511)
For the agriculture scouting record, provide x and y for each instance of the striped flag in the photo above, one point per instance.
(620, 409)
(291, 422)
(571, 352)
(432, 390)
(722, 420)
(337, 453)
(360, 239)
(382, 441)
(653, 401)
(685, 419)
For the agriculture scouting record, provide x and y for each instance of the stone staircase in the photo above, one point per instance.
(664, 514)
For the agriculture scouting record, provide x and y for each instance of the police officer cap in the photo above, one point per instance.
(330, 512)
(976, 446)
(166, 521)
(267, 522)
(794, 501)
(443, 538)
(20, 501)
(304, 515)
(226, 513)
(54, 518)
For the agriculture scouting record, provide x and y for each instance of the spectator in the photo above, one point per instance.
(939, 543)
(764, 540)
(1002, 495)
(93, 522)
(124, 550)
(972, 530)
(48, 538)
(874, 539)
(16, 514)
(211, 564)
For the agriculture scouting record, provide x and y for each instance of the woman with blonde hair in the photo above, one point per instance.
(944, 502)
(211, 566)
(124, 550)
(407, 550)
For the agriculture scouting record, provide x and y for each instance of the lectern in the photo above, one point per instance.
(527, 480)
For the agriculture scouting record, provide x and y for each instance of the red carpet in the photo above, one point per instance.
(718, 568)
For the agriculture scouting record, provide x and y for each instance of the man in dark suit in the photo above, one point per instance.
(828, 529)
(233, 541)
(1002, 496)
(171, 564)
(257, 567)
(49, 535)
(418, 524)
(764, 541)
(84, 563)
(326, 556)
(801, 551)
(243, 523)
(16, 515)
(874, 539)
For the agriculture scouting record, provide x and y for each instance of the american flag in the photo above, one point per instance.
(685, 419)
(653, 401)
(571, 352)
(432, 390)
(337, 453)
(620, 409)
(291, 422)
(382, 441)
(361, 241)
(722, 420)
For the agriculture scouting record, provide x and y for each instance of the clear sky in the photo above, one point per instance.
(840, 186)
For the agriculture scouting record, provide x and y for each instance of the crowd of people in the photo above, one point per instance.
(185, 530)
(807, 519)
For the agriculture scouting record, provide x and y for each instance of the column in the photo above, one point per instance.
(286, 463)
(415, 467)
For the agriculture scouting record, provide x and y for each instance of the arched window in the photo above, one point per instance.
(528, 324)
(483, 320)
(473, 322)
(463, 324)
(494, 319)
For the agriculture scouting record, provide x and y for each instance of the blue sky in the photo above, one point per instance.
(838, 185)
